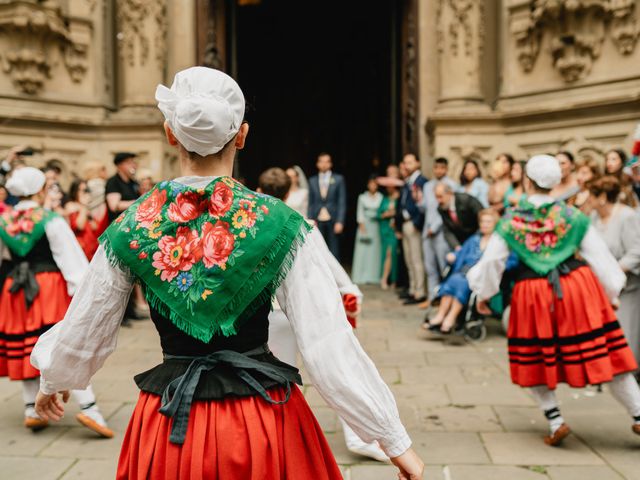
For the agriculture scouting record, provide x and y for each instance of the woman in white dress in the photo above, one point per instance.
(298, 198)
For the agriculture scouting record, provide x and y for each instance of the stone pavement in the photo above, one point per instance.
(466, 419)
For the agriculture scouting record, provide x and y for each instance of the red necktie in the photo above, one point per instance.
(453, 215)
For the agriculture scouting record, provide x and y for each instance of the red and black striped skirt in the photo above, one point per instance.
(235, 438)
(575, 340)
(20, 327)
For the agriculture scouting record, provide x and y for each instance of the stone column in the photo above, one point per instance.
(142, 50)
(461, 44)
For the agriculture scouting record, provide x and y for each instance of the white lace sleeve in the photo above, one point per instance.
(342, 278)
(67, 253)
(596, 253)
(338, 366)
(73, 350)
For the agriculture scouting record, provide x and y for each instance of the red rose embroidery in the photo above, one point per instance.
(188, 206)
(550, 239)
(264, 209)
(150, 208)
(177, 254)
(533, 241)
(26, 225)
(221, 200)
(142, 255)
(217, 244)
(134, 245)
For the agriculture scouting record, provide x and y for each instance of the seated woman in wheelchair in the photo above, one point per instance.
(454, 292)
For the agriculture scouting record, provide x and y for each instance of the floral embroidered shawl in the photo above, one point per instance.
(545, 236)
(206, 258)
(20, 230)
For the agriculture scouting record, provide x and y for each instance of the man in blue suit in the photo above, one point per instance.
(328, 202)
(412, 217)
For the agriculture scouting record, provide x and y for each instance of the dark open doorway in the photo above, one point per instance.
(318, 76)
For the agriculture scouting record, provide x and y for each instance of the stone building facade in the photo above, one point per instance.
(478, 77)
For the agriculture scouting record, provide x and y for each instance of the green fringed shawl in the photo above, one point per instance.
(206, 258)
(20, 230)
(545, 236)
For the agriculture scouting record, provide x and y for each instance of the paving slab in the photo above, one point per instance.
(456, 418)
(429, 375)
(438, 448)
(483, 472)
(529, 449)
(27, 467)
(92, 469)
(499, 394)
(580, 473)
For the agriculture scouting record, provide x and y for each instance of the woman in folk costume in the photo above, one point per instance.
(45, 268)
(562, 327)
(282, 340)
(210, 254)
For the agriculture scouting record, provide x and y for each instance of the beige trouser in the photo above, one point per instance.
(412, 246)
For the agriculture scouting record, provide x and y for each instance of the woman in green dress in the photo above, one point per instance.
(389, 241)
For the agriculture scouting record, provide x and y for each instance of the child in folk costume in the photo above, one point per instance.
(210, 254)
(45, 268)
(562, 327)
(282, 341)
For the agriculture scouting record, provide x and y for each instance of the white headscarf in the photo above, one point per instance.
(204, 109)
(544, 170)
(25, 182)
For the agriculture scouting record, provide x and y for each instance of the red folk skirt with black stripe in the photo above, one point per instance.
(575, 340)
(234, 438)
(20, 327)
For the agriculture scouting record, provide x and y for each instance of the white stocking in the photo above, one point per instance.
(548, 403)
(625, 389)
(30, 390)
(85, 398)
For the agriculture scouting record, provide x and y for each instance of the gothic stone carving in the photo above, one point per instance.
(577, 28)
(460, 25)
(133, 17)
(33, 31)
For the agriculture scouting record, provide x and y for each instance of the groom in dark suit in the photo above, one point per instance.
(328, 202)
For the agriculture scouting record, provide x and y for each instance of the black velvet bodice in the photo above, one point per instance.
(40, 254)
(223, 380)
(251, 334)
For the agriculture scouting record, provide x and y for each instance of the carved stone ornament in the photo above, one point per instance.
(133, 17)
(34, 30)
(212, 58)
(577, 30)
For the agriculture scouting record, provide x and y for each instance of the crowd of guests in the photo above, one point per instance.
(93, 200)
(427, 233)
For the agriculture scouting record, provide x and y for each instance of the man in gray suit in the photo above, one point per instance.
(434, 244)
(328, 202)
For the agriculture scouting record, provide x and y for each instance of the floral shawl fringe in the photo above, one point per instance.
(545, 236)
(206, 258)
(20, 230)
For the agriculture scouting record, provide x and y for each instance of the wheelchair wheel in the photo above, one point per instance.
(475, 331)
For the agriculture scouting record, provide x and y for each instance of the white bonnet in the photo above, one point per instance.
(204, 108)
(544, 170)
(25, 181)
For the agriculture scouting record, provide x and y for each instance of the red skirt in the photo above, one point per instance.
(20, 328)
(575, 340)
(235, 438)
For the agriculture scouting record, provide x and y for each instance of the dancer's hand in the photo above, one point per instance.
(410, 464)
(49, 407)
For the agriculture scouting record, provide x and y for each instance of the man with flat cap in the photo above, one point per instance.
(121, 189)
